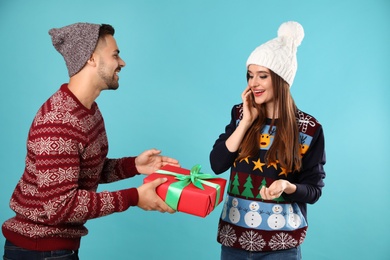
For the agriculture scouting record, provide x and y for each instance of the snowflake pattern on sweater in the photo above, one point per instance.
(66, 160)
(247, 221)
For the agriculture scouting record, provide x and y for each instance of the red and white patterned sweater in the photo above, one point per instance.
(66, 160)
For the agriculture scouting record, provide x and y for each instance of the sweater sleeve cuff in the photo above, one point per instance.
(131, 196)
(129, 166)
(299, 193)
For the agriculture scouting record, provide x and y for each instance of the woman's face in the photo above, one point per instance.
(260, 82)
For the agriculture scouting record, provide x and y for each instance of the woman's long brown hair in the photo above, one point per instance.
(285, 147)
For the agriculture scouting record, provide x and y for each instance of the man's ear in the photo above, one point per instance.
(92, 61)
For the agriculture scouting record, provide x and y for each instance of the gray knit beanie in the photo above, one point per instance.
(76, 43)
(280, 53)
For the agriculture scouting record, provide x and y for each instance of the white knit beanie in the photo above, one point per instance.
(280, 53)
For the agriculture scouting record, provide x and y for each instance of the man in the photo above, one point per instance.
(66, 155)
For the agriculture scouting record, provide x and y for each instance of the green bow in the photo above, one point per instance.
(195, 177)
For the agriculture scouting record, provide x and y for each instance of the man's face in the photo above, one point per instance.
(109, 62)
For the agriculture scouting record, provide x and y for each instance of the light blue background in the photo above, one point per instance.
(185, 69)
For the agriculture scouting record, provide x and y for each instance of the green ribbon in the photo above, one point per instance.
(195, 177)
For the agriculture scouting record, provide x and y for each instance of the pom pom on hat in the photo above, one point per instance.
(292, 30)
(279, 54)
(76, 43)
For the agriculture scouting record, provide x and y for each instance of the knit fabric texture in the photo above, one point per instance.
(66, 160)
(76, 43)
(280, 53)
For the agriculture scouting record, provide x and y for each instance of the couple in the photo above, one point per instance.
(270, 146)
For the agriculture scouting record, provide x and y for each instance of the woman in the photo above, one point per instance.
(276, 155)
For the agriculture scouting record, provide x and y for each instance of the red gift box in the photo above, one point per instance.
(193, 200)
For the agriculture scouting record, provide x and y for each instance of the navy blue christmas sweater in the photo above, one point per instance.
(247, 221)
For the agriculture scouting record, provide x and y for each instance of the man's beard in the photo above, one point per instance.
(111, 82)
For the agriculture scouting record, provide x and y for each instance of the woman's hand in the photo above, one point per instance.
(250, 112)
(276, 189)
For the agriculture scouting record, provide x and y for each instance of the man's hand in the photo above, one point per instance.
(150, 161)
(148, 198)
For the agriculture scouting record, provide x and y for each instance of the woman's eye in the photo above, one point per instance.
(263, 76)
